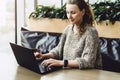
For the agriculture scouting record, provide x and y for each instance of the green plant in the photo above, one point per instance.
(107, 11)
(49, 12)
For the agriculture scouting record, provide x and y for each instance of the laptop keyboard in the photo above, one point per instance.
(44, 69)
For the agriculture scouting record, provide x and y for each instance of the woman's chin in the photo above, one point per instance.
(72, 22)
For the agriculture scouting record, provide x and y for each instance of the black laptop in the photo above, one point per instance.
(25, 58)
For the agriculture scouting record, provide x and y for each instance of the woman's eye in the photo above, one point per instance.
(72, 12)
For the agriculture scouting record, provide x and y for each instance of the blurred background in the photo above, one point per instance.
(14, 14)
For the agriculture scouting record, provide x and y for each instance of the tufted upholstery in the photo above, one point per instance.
(45, 41)
(110, 50)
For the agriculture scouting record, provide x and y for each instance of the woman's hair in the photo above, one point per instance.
(88, 18)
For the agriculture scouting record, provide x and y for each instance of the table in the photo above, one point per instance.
(10, 70)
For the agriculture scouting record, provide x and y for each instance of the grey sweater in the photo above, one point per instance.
(84, 48)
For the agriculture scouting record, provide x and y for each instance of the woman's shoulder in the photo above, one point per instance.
(91, 30)
(68, 28)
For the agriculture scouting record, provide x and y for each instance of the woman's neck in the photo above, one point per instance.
(76, 29)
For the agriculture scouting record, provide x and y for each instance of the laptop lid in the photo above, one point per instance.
(25, 57)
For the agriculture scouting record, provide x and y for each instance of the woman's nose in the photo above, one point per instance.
(69, 16)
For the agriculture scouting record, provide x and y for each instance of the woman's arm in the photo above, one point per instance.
(73, 64)
(90, 52)
(53, 62)
(55, 52)
(58, 50)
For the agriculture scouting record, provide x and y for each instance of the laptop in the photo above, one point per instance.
(25, 58)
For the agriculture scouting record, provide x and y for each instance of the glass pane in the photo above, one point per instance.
(93, 1)
(7, 24)
(57, 3)
(64, 1)
(29, 7)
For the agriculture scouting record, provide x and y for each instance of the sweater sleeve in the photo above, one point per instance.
(88, 57)
(58, 50)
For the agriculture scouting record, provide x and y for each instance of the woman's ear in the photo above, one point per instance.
(83, 12)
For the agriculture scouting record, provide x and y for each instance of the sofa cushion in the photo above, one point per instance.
(44, 41)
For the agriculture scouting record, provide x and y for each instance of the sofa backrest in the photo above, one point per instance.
(45, 41)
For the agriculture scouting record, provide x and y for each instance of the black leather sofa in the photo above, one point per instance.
(45, 41)
(110, 50)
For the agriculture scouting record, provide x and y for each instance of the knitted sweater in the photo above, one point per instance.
(84, 48)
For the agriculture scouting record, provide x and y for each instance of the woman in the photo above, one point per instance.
(79, 44)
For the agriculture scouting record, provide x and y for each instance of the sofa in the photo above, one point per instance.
(45, 41)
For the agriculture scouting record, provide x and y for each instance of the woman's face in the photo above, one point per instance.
(74, 14)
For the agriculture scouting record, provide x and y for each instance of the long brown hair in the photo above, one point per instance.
(88, 18)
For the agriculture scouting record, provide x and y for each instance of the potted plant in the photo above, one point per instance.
(48, 18)
(107, 11)
(107, 16)
(48, 12)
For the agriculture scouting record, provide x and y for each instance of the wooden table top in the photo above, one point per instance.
(10, 70)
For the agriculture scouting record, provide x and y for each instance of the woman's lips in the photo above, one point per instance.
(71, 20)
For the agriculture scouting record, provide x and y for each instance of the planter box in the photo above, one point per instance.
(58, 25)
(47, 25)
(108, 31)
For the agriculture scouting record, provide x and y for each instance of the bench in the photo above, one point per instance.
(45, 41)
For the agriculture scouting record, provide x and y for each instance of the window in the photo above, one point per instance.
(29, 7)
(57, 3)
(7, 24)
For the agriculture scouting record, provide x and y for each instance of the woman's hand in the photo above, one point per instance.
(38, 55)
(53, 62)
